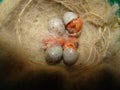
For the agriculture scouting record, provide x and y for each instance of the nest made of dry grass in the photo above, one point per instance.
(96, 39)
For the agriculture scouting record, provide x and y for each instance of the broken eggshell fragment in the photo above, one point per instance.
(70, 56)
(73, 23)
(69, 16)
(56, 26)
(53, 55)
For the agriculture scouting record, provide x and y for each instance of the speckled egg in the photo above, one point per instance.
(56, 26)
(53, 55)
(70, 56)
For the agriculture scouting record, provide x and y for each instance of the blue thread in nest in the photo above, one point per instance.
(1, 1)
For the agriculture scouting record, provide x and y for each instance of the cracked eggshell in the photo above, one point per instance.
(53, 55)
(56, 26)
(70, 56)
(69, 16)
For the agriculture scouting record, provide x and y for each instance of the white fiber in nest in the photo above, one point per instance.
(98, 35)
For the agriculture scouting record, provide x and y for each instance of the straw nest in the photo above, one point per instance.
(99, 39)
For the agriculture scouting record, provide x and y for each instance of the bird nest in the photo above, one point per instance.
(28, 24)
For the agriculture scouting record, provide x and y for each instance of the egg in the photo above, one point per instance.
(53, 55)
(69, 16)
(56, 26)
(73, 23)
(70, 56)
